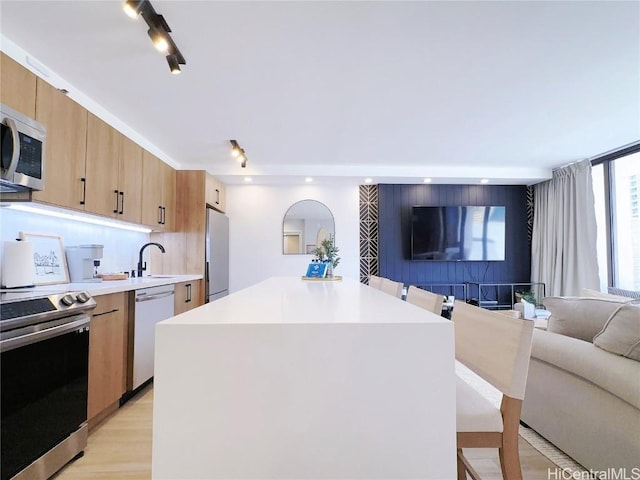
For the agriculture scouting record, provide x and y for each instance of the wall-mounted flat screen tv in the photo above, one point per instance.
(461, 233)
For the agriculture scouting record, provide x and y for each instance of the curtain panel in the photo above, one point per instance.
(563, 245)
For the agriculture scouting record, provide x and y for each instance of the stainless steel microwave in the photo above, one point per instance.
(23, 151)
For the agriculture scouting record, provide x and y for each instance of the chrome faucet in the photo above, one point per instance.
(141, 268)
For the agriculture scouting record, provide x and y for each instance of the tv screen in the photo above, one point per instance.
(462, 233)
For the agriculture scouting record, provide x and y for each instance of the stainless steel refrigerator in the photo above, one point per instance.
(217, 255)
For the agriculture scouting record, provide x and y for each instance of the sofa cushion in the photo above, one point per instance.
(587, 292)
(579, 317)
(618, 375)
(621, 332)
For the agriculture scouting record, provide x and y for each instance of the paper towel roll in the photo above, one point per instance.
(17, 264)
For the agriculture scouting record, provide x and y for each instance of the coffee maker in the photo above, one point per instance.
(83, 261)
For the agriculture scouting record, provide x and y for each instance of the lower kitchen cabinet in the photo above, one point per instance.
(188, 295)
(107, 355)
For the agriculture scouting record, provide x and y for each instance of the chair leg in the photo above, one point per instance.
(509, 453)
(510, 461)
(464, 468)
(462, 471)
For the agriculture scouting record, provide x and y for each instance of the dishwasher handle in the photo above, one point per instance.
(143, 297)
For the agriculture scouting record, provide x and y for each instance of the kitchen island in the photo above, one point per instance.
(290, 379)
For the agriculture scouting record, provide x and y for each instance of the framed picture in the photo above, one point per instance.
(49, 260)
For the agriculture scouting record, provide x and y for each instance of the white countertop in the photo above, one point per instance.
(108, 286)
(293, 300)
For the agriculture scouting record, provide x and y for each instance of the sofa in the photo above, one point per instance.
(583, 387)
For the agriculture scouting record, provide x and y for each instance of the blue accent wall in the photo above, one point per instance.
(395, 202)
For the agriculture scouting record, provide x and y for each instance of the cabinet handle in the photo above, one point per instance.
(164, 215)
(84, 190)
(217, 196)
(188, 285)
(117, 201)
(121, 212)
(160, 215)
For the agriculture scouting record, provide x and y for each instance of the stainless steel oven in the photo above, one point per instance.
(23, 151)
(44, 356)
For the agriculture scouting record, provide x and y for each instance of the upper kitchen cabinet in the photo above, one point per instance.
(18, 86)
(103, 161)
(130, 181)
(216, 194)
(113, 173)
(158, 193)
(169, 197)
(66, 123)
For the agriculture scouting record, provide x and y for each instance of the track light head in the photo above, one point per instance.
(235, 149)
(173, 64)
(132, 8)
(159, 39)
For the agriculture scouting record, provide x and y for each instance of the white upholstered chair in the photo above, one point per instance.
(392, 288)
(497, 348)
(425, 299)
(375, 282)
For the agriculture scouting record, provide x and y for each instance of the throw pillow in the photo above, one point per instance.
(621, 333)
(579, 317)
(586, 292)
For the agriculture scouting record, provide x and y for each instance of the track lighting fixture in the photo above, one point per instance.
(132, 8)
(173, 64)
(158, 31)
(238, 153)
(159, 40)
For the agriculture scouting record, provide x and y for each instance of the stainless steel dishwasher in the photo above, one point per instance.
(153, 305)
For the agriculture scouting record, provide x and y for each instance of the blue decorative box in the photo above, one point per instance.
(316, 270)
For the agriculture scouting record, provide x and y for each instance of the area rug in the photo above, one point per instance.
(538, 442)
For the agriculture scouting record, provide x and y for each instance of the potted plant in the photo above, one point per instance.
(327, 252)
(526, 295)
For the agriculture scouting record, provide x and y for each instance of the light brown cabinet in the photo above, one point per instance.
(158, 193)
(66, 123)
(216, 195)
(18, 86)
(169, 197)
(113, 172)
(130, 181)
(188, 295)
(107, 354)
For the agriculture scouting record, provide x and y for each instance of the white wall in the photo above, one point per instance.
(255, 230)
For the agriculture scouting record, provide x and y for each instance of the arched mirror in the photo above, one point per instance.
(305, 224)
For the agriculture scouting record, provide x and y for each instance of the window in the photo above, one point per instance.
(616, 178)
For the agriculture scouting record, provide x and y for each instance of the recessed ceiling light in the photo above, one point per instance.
(308, 179)
(368, 180)
(248, 179)
(427, 180)
(484, 180)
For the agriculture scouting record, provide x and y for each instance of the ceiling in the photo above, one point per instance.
(339, 91)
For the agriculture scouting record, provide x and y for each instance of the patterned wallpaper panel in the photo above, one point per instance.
(368, 232)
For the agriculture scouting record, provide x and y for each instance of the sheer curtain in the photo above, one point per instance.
(563, 246)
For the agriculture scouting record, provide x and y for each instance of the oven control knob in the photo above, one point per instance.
(68, 300)
(83, 297)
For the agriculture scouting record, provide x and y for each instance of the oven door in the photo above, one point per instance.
(43, 375)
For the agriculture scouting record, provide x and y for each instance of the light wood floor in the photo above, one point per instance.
(120, 449)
